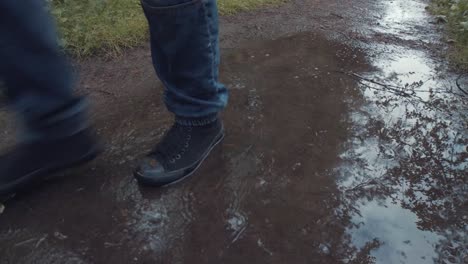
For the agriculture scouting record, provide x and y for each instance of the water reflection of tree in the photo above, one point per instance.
(421, 160)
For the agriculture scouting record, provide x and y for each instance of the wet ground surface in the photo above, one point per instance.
(347, 143)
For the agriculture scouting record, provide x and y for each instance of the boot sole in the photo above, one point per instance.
(190, 171)
(44, 174)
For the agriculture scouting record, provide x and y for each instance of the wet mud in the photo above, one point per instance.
(346, 143)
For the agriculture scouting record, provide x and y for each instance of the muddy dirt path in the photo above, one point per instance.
(347, 143)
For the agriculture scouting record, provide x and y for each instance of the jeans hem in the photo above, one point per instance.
(196, 121)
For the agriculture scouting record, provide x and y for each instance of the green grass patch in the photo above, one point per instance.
(455, 12)
(99, 26)
(229, 7)
(105, 27)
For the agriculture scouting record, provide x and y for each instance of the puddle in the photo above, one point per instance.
(406, 68)
(404, 170)
(404, 18)
(26, 247)
(157, 221)
(395, 229)
(416, 156)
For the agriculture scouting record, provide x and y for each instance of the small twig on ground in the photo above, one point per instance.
(41, 240)
(392, 89)
(238, 235)
(458, 83)
(109, 244)
(397, 89)
(337, 15)
(25, 242)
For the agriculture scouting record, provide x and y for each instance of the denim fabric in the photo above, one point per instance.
(185, 52)
(37, 78)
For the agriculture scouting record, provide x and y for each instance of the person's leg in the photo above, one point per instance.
(39, 87)
(185, 51)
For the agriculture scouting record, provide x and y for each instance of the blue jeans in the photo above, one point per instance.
(185, 52)
(37, 78)
(184, 44)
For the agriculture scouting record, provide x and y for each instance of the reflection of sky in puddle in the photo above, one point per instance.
(402, 17)
(410, 68)
(405, 68)
(395, 228)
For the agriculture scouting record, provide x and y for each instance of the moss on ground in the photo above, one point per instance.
(455, 14)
